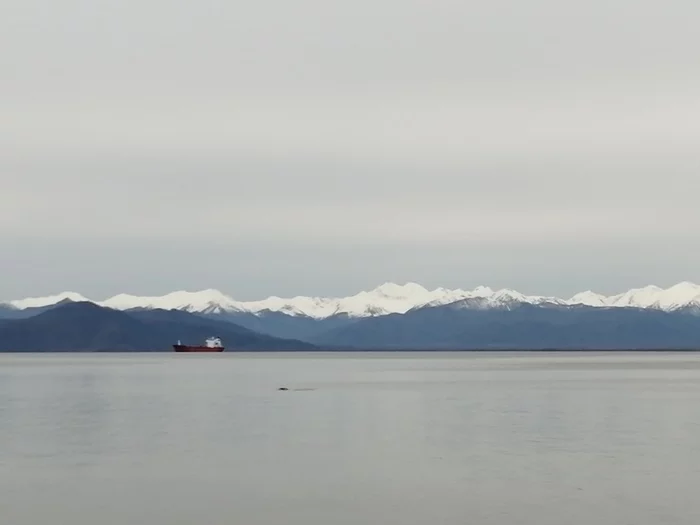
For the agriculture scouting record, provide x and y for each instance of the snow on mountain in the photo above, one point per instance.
(205, 301)
(38, 302)
(681, 295)
(637, 297)
(317, 307)
(386, 299)
(589, 298)
(445, 296)
(677, 296)
(485, 298)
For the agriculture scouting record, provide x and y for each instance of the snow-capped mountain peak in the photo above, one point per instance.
(589, 298)
(637, 297)
(508, 296)
(678, 296)
(385, 299)
(206, 301)
(485, 298)
(39, 302)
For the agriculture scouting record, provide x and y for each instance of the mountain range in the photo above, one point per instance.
(390, 316)
(385, 299)
(85, 326)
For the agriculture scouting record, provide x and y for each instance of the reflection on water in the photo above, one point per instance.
(385, 438)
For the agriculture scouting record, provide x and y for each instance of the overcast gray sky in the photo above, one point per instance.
(317, 147)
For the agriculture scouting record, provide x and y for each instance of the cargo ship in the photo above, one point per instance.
(213, 344)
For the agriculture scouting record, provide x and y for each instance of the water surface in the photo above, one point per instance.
(506, 438)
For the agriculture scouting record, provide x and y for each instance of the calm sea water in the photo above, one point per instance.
(378, 439)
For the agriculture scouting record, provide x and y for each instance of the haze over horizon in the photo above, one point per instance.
(321, 149)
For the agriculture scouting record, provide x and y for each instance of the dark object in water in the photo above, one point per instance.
(282, 388)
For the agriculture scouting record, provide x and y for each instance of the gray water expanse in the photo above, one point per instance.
(177, 439)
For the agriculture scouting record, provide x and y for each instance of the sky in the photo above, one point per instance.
(319, 148)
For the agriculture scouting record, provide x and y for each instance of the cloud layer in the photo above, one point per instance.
(314, 148)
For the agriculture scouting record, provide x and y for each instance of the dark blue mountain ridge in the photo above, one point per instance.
(468, 324)
(279, 324)
(85, 326)
(9, 312)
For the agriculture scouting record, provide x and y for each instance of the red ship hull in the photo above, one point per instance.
(185, 348)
